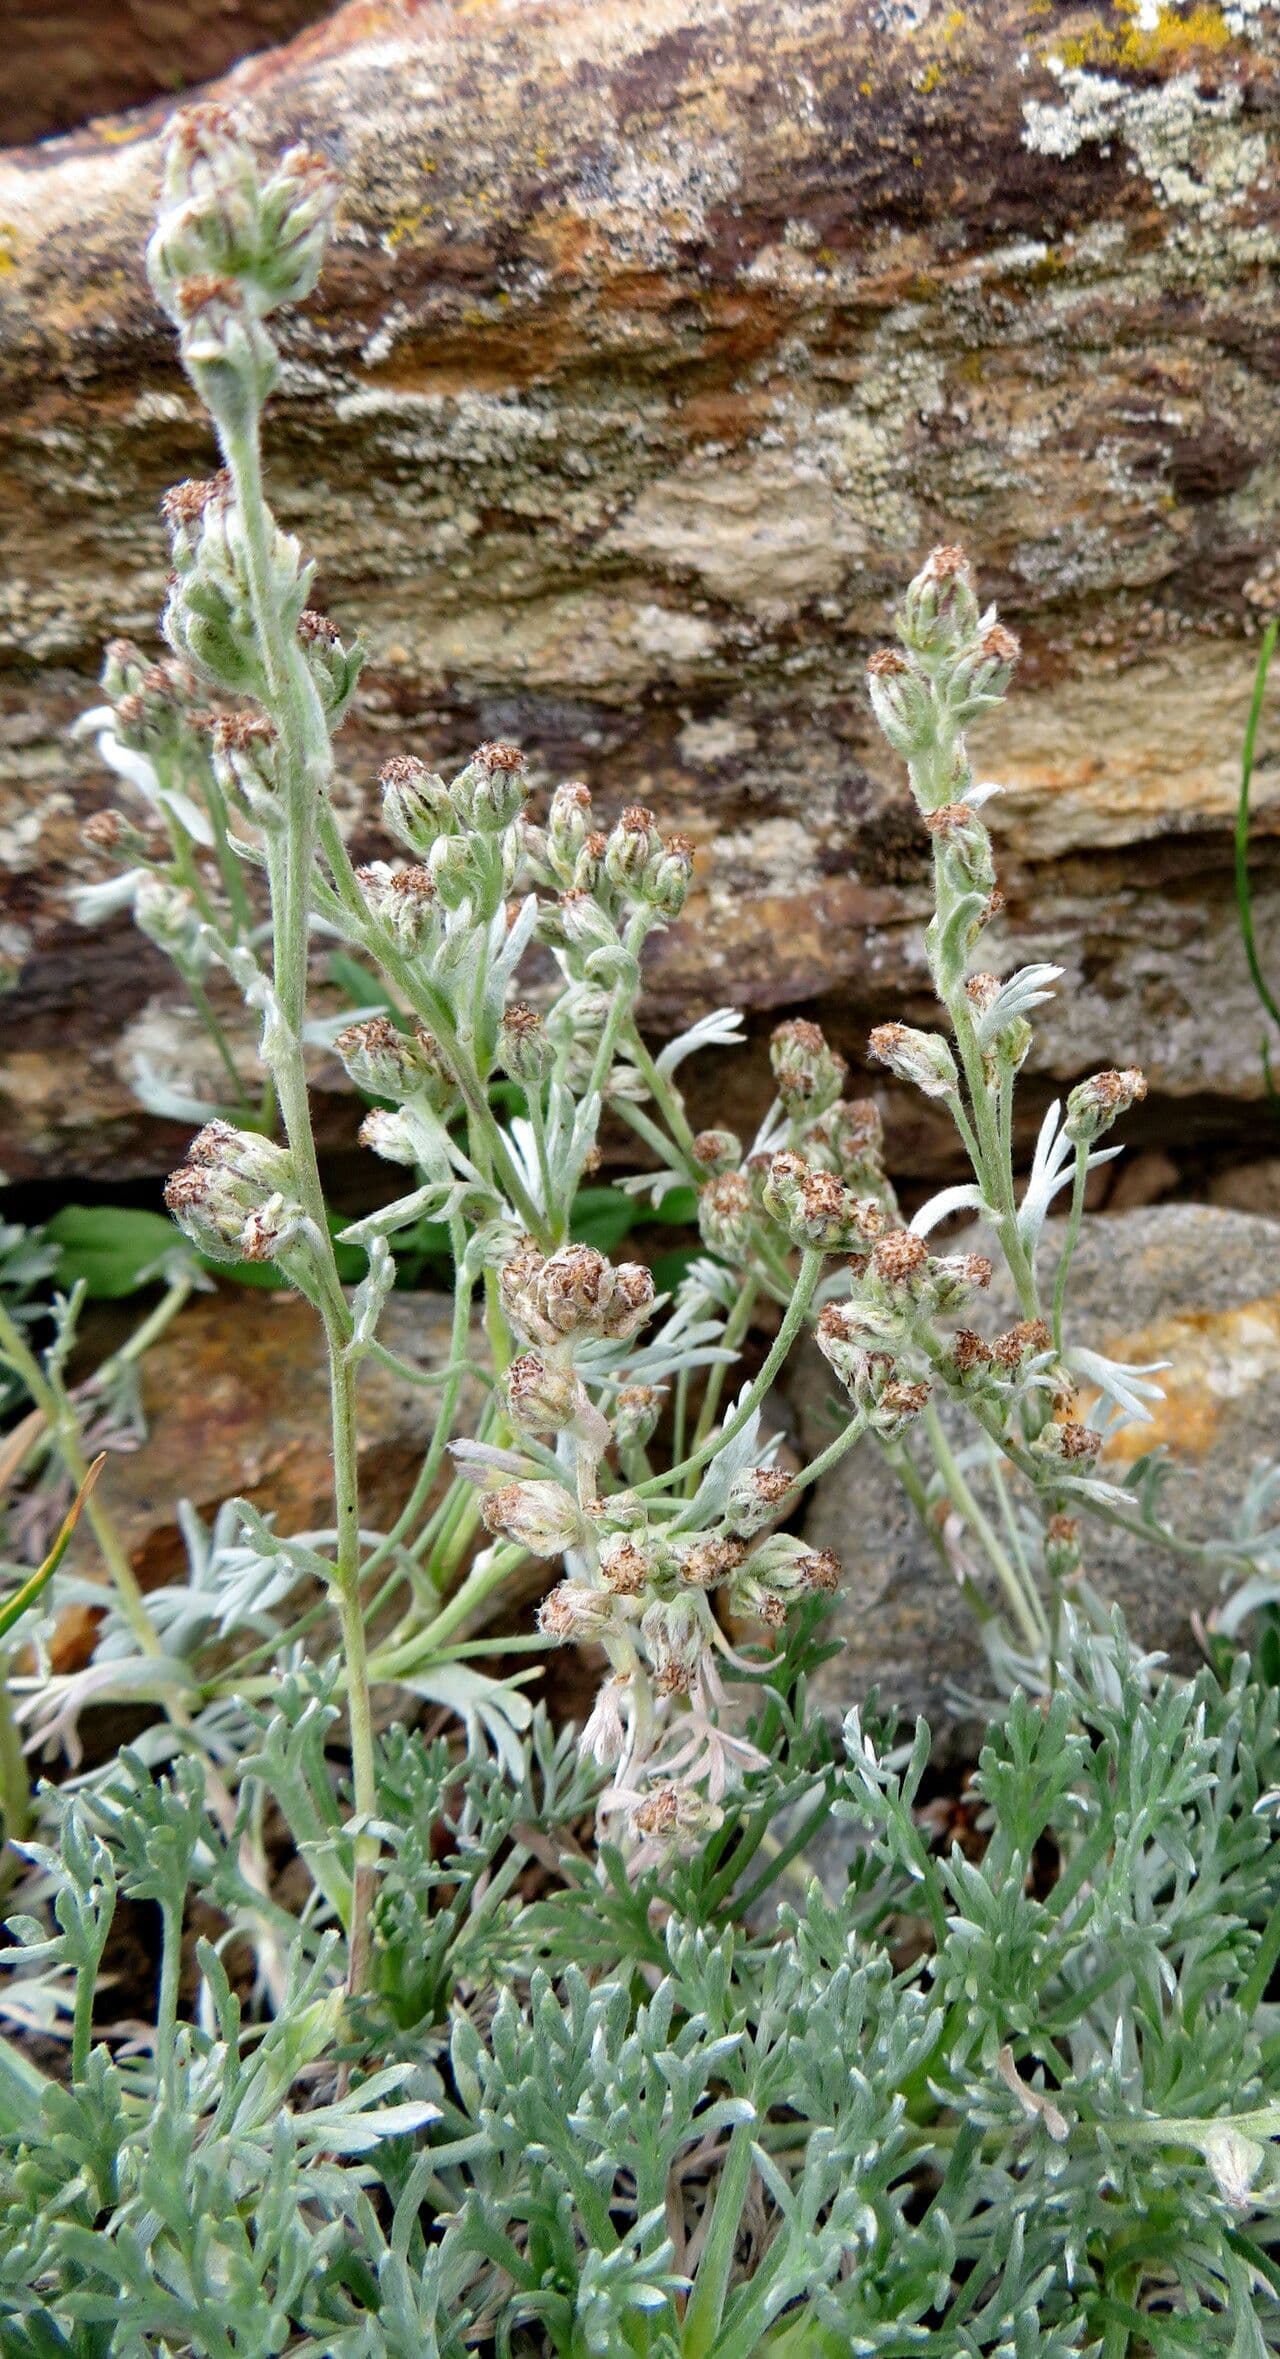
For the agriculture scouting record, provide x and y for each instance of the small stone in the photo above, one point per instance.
(1142, 1179)
(236, 1399)
(1249, 1187)
(1186, 1283)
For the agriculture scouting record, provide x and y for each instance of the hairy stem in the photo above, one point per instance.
(797, 1311)
(1024, 1605)
(1069, 1243)
(304, 737)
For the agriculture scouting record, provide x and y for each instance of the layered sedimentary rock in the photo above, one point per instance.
(658, 342)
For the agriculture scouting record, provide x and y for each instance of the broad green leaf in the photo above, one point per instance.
(602, 1217)
(113, 1248)
(678, 1208)
(671, 1269)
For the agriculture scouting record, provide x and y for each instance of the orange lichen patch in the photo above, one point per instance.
(407, 228)
(1215, 1357)
(1178, 33)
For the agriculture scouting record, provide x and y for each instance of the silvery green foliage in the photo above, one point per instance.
(1012, 2095)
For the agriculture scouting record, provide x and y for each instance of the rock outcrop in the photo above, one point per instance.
(657, 343)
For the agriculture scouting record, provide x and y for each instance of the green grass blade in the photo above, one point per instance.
(16, 1606)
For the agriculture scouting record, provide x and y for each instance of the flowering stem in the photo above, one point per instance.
(351, 1622)
(480, 1584)
(1026, 1608)
(829, 1457)
(229, 868)
(307, 763)
(736, 1326)
(899, 1458)
(15, 1785)
(1069, 1242)
(665, 1095)
(1037, 1469)
(200, 1002)
(797, 1310)
(538, 1124)
(993, 1169)
(177, 1292)
(463, 1286)
(434, 1010)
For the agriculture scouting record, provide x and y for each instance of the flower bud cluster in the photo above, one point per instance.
(543, 1394)
(954, 665)
(809, 1074)
(232, 243)
(169, 915)
(882, 1342)
(209, 619)
(246, 757)
(228, 353)
(1094, 1105)
(780, 1572)
(922, 1058)
(525, 1048)
(404, 901)
(604, 879)
(644, 1599)
(464, 844)
(727, 1215)
(153, 732)
(1069, 1443)
(544, 1518)
(1007, 1051)
(220, 214)
(848, 1139)
(391, 1063)
(638, 1576)
(334, 667)
(717, 1152)
(816, 1209)
(111, 833)
(156, 706)
(235, 1195)
(486, 798)
(940, 610)
(636, 1411)
(574, 1295)
(827, 1188)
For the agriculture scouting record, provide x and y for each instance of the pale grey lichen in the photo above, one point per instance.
(1177, 137)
